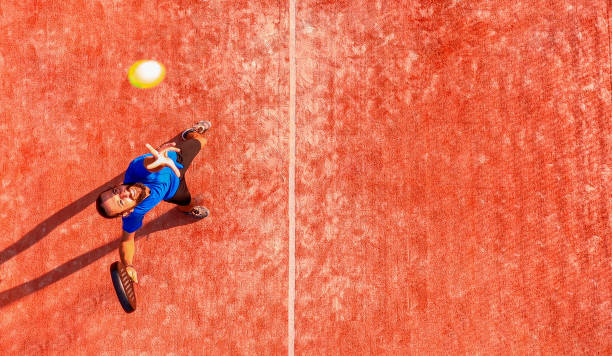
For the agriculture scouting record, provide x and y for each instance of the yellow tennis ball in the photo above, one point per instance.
(146, 73)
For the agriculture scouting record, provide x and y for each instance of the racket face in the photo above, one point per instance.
(124, 287)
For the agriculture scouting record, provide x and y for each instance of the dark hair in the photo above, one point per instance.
(101, 209)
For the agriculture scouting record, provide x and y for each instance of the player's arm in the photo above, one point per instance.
(126, 253)
(148, 161)
(160, 158)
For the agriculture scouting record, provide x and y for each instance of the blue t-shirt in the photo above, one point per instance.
(163, 185)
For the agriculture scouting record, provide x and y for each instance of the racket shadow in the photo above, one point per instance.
(170, 219)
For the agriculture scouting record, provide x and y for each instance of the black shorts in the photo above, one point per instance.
(189, 149)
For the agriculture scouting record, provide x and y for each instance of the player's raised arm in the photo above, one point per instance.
(160, 158)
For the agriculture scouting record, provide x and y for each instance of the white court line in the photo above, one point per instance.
(292, 129)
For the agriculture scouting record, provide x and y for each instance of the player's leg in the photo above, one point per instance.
(192, 142)
(198, 128)
(186, 203)
(194, 209)
(196, 132)
(197, 136)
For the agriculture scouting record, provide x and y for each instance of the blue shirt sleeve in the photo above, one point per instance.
(137, 172)
(132, 222)
(173, 156)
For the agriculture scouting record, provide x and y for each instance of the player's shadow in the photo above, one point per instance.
(44, 228)
(168, 220)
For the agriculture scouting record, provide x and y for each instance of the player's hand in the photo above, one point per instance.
(162, 159)
(166, 146)
(131, 271)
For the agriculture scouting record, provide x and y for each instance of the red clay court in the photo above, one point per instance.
(384, 177)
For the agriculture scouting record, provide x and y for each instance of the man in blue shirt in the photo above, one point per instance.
(150, 179)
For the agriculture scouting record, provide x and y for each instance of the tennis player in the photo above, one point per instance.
(149, 179)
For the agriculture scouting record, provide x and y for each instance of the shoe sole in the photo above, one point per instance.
(206, 214)
(192, 129)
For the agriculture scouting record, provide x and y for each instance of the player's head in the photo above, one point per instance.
(120, 200)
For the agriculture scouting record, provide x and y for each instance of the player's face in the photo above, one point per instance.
(123, 198)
